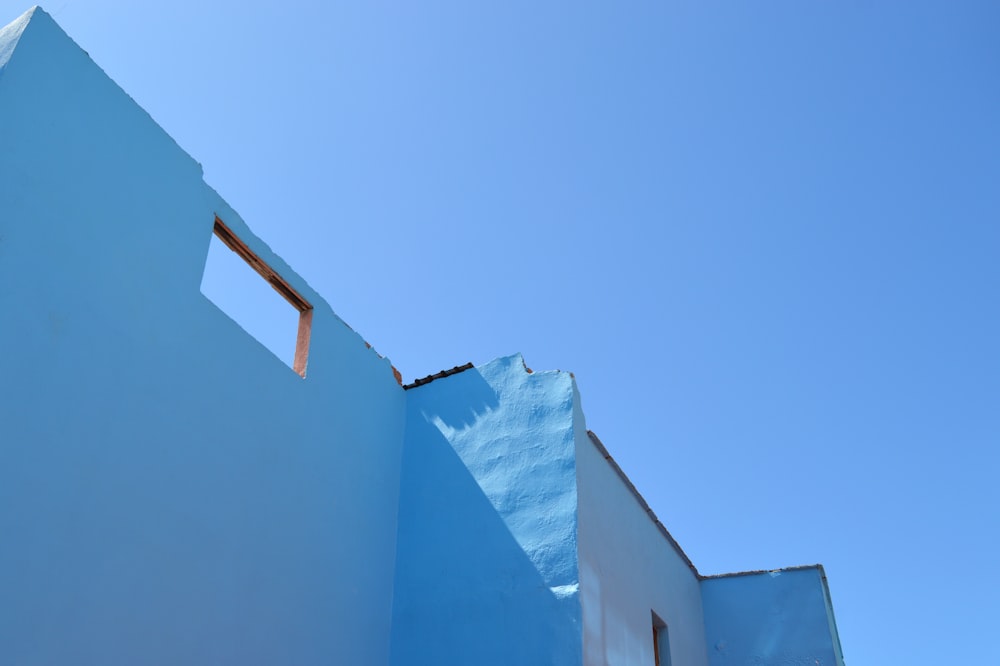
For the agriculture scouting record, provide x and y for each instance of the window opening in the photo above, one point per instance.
(661, 642)
(250, 303)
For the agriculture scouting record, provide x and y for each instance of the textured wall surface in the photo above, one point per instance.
(781, 617)
(628, 571)
(173, 493)
(170, 492)
(486, 566)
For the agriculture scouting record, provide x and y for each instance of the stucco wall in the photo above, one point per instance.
(486, 567)
(628, 571)
(170, 492)
(781, 617)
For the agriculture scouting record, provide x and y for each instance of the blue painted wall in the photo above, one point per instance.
(170, 492)
(486, 570)
(781, 617)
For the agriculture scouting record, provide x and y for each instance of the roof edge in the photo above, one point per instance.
(758, 572)
(11, 33)
(642, 502)
(440, 375)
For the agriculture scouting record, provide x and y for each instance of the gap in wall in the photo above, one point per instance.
(240, 292)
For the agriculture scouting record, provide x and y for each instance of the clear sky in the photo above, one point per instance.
(764, 236)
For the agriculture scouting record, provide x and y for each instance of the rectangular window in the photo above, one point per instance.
(248, 302)
(661, 642)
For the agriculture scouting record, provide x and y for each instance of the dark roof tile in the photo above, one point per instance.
(444, 373)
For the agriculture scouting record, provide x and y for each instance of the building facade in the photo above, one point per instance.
(172, 493)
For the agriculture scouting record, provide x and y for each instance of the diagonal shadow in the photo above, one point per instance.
(465, 589)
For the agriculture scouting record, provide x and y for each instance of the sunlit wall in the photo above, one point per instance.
(170, 491)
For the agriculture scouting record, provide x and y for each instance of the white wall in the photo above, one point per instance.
(628, 570)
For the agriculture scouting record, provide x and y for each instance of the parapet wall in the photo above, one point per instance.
(770, 617)
(633, 576)
(486, 570)
(170, 491)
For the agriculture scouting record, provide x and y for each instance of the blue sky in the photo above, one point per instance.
(763, 236)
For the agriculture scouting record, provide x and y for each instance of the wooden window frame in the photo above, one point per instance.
(280, 285)
(660, 630)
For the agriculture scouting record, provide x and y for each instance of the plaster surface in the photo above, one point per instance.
(628, 571)
(170, 492)
(771, 617)
(486, 570)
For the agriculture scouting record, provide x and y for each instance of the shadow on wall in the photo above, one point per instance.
(462, 400)
(466, 591)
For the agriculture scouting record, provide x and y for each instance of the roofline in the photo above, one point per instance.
(635, 493)
(642, 502)
(441, 375)
(669, 537)
(758, 572)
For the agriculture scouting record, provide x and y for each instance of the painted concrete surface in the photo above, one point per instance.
(486, 570)
(628, 571)
(170, 492)
(9, 36)
(781, 617)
